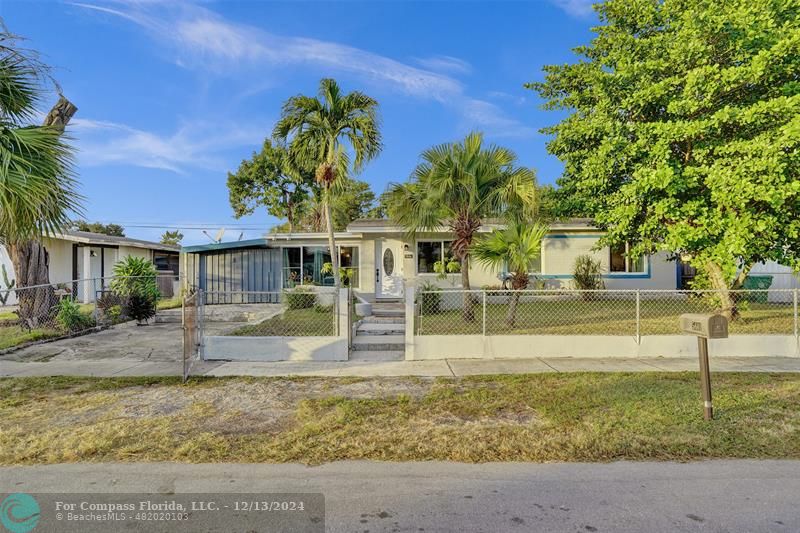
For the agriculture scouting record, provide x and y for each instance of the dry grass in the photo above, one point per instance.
(574, 417)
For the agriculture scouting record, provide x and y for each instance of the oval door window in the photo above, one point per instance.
(388, 262)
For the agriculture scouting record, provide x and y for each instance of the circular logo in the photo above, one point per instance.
(19, 513)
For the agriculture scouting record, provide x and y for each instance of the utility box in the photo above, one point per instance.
(711, 326)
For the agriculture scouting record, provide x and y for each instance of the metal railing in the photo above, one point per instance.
(299, 312)
(601, 312)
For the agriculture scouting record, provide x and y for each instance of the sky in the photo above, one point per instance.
(173, 95)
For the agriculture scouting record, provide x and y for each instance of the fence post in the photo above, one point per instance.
(638, 316)
(410, 318)
(484, 312)
(796, 318)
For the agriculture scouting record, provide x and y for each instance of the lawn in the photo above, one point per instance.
(542, 417)
(314, 321)
(11, 336)
(608, 316)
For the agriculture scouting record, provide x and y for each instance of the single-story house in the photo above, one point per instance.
(378, 257)
(90, 257)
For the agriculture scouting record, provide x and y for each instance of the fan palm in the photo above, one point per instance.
(516, 248)
(319, 130)
(459, 185)
(37, 187)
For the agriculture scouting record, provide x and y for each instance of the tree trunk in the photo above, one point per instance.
(468, 312)
(36, 305)
(332, 241)
(727, 299)
(29, 258)
(518, 283)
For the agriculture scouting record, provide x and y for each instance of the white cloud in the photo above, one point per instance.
(193, 145)
(576, 8)
(491, 118)
(203, 40)
(446, 64)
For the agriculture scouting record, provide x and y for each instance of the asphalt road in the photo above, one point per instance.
(710, 496)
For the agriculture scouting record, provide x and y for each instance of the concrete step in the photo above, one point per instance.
(393, 355)
(381, 329)
(389, 312)
(379, 343)
(383, 320)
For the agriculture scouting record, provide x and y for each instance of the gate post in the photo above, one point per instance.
(410, 294)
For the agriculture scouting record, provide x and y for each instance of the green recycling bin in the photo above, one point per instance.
(757, 282)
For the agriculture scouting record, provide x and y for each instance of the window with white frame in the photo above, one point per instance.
(621, 261)
(305, 265)
(429, 252)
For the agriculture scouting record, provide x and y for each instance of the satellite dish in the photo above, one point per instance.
(218, 236)
(241, 235)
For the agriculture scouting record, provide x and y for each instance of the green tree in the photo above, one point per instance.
(320, 131)
(516, 248)
(458, 185)
(173, 237)
(37, 185)
(381, 208)
(270, 179)
(115, 230)
(354, 201)
(684, 130)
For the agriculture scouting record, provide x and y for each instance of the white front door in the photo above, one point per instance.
(388, 268)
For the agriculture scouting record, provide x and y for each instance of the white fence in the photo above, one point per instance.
(310, 324)
(608, 323)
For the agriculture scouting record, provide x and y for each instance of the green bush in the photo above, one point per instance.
(300, 298)
(71, 318)
(140, 307)
(430, 298)
(587, 275)
(135, 275)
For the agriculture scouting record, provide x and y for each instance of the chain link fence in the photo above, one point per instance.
(602, 312)
(299, 312)
(41, 312)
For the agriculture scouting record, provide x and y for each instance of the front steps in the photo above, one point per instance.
(381, 337)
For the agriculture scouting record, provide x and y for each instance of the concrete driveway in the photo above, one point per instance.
(159, 341)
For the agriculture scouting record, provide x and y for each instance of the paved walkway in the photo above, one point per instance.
(447, 367)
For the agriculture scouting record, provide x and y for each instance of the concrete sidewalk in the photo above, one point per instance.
(447, 367)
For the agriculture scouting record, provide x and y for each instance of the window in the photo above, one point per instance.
(620, 260)
(429, 252)
(303, 265)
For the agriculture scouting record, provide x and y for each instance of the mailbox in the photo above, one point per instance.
(706, 326)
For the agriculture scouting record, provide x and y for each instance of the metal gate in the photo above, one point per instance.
(192, 331)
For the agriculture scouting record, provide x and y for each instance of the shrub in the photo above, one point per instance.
(135, 275)
(140, 307)
(430, 298)
(300, 298)
(71, 318)
(587, 275)
(108, 300)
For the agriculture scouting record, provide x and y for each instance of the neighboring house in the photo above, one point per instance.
(81, 255)
(379, 258)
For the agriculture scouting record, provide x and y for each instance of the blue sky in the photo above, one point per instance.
(173, 95)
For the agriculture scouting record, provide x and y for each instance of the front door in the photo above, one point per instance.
(388, 269)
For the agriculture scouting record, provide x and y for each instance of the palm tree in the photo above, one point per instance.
(458, 186)
(37, 187)
(319, 130)
(516, 248)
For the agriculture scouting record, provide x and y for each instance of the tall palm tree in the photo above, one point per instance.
(459, 185)
(516, 248)
(37, 186)
(320, 130)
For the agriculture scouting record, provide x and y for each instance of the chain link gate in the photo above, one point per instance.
(192, 331)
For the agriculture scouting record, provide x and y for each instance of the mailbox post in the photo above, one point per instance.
(705, 327)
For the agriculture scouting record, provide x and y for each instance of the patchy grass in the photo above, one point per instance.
(11, 336)
(543, 417)
(169, 303)
(609, 316)
(315, 321)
